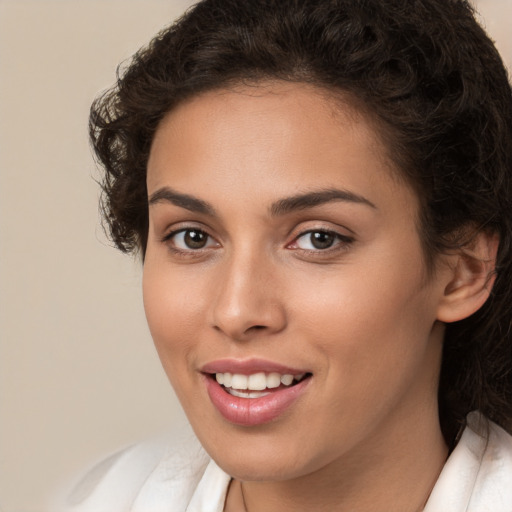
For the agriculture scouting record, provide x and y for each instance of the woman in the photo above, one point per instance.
(321, 194)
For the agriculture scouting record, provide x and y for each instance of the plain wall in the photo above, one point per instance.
(79, 376)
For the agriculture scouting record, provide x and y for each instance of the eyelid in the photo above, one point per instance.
(172, 229)
(341, 243)
(342, 240)
(167, 239)
(302, 228)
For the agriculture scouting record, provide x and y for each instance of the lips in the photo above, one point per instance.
(253, 392)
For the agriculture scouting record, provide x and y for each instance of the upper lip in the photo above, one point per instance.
(249, 366)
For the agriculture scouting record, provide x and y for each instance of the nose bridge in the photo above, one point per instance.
(247, 299)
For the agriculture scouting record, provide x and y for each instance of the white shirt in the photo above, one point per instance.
(180, 477)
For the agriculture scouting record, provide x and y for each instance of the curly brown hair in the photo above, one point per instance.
(424, 69)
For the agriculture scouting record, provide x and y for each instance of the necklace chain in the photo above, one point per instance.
(245, 504)
(243, 496)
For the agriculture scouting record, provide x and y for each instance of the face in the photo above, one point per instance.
(284, 282)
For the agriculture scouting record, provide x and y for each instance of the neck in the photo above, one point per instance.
(395, 470)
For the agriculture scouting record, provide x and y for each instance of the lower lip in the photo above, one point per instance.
(249, 412)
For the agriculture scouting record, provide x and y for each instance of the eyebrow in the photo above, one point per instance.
(191, 203)
(316, 198)
(278, 208)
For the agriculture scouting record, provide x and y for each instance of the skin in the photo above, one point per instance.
(361, 316)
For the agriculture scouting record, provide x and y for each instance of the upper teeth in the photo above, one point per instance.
(255, 381)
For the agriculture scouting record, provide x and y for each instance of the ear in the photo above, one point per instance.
(471, 277)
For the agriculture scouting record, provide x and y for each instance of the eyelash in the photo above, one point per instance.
(339, 242)
(188, 252)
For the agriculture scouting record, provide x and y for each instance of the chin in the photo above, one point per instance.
(268, 461)
(262, 471)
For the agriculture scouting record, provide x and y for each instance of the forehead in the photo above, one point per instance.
(264, 122)
(251, 145)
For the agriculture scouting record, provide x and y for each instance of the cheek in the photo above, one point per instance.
(371, 315)
(172, 306)
(172, 309)
(372, 337)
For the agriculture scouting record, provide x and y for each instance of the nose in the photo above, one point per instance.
(248, 300)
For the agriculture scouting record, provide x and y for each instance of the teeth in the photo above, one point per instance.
(273, 380)
(247, 394)
(286, 379)
(255, 382)
(239, 381)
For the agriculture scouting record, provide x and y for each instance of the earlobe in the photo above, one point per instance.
(471, 278)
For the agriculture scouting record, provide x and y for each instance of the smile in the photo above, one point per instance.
(253, 392)
(256, 384)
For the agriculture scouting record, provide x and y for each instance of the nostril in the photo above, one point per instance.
(256, 328)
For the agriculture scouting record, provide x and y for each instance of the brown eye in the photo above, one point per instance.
(322, 239)
(191, 239)
(195, 239)
(316, 240)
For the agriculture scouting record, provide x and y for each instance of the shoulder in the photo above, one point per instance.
(144, 476)
(493, 484)
(477, 476)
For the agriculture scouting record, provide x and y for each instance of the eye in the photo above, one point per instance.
(320, 240)
(190, 240)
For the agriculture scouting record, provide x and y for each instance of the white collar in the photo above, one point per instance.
(477, 476)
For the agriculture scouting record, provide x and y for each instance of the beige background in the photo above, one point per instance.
(78, 373)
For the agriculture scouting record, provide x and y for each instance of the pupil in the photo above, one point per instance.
(195, 239)
(322, 239)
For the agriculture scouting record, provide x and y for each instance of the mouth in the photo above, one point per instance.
(249, 396)
(256, 385)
